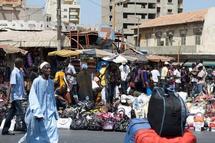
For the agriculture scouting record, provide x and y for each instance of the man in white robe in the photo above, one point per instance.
(41, 115)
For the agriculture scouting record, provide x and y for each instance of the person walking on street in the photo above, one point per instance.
(41, 115)
(17, 93)
(124, 71)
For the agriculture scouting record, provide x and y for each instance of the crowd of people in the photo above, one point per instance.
(68, 87)
(112, 80)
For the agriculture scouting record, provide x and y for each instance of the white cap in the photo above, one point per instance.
(166, 63)
(43, 64)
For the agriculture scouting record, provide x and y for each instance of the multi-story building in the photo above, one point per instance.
(123, 15)
(17, 16)
(70, 11)
(16, 10)
(185, 35)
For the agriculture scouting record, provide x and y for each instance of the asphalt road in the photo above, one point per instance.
(70, 136)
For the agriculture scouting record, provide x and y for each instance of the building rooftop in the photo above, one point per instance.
(174, 19)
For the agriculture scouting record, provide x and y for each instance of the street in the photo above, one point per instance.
(70, 136)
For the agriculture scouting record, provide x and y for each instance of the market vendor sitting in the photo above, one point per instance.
(96, 87)
(62, 99)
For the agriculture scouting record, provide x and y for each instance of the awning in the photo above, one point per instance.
(157, 58)
(134, 54)
(64, 53)
(96, 53)
(120, 59)
(8, 49)
(28, 39)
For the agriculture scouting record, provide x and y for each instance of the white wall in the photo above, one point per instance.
(208, 35)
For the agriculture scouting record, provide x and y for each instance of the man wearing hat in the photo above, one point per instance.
(41, 115)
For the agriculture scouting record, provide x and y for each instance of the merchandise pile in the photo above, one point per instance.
(201, 113)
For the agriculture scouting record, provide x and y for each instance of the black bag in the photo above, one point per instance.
(95, 124)
(79, 124)
(121, 126)
(167, 113)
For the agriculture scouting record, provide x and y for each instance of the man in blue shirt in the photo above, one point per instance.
(17, 92)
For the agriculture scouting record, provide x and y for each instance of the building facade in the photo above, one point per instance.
(123, 15)
(70, 11)
(188, 35)
(16, 10)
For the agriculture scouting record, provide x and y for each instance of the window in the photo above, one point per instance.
(169, 11)
(158, 35)
(180, 10)
(125, 5)
(72, 17)
(125, 26)
(48, 18)
(198, 39)
(158, 1)
(143, 5)
(125, 15)
(151, 16)
(72, 10)
(151, 5)
(159, 41)
(169, 1)
(169, 41)
(110, 8)
(158, 9)
(183, 40)
(65, 9)
(110, 17)
(65, 16)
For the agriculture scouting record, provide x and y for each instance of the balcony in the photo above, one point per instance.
(172, 50)
(138, 9)
(73, 13)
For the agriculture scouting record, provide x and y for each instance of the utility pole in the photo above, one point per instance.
(138, 33)
(114, 16)
(59, 38)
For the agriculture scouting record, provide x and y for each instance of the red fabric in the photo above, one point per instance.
(150, 136)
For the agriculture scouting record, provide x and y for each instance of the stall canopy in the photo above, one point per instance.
(157, 58)
(96, 53)
(27, 39)
(119, 58)
(130, 52)
(8, 49)
(64, 53)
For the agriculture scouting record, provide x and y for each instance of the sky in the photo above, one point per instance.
(91, 9)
